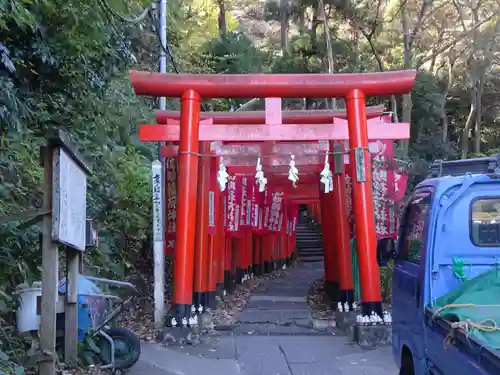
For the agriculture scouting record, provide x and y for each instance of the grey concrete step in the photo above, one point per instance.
(303, 254)
(309, 239)
(311, 259)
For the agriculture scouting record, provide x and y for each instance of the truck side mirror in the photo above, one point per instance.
(386, 250)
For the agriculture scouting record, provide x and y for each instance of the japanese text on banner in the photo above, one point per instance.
(171, 193)
(381, 184)
(255, 205)
(245, 200)
(275, 211)
(233, 208)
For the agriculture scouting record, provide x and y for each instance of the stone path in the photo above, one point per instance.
(275, 336)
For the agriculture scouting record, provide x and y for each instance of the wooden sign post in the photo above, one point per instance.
(65, 200)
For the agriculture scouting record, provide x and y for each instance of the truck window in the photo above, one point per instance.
(414, 233)
(485, 222)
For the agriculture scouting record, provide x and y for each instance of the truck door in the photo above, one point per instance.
(409, 277)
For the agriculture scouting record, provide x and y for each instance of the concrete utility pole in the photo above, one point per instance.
(159, 168)
(163, 45)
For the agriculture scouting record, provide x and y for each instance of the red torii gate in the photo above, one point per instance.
(190, 88)
(238, 157)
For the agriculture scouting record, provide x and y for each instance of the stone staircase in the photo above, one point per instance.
(309, 241)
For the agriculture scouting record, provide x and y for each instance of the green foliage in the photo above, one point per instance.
(232, 54)
(9, 352)
(476, 155)
(70, 64)
(426, 143)
(7, 367)
(63, 65)
(88, 351)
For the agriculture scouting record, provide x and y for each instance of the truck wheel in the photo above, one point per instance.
(127, 348)
(407, 367)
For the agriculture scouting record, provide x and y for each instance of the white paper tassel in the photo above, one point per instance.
(326, 176)
(259, 177)
(222, 176)
(293, 172)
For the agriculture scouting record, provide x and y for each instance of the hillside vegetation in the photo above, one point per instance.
(64, 65)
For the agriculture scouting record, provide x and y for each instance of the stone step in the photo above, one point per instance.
(308, 230)
(310, 254)
(315, 244)
(318, 247)
(310, 248)
(311, 259)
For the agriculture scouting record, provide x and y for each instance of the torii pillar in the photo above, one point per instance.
(353, 87)
(359, 158)
(186, 215)
(341, 227)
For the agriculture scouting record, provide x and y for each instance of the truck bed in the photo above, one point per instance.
(486, 357)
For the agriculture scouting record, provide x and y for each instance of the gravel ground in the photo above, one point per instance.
(320, 302)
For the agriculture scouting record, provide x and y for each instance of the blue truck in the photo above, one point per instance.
(449, 236)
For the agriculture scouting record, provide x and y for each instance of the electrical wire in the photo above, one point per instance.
(166, 49)
(134, 20)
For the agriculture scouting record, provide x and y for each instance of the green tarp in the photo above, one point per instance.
(484, 293)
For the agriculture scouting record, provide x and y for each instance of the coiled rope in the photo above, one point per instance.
(487, 325)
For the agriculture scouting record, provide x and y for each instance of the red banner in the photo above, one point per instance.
(348, 190)
(245, 200)
(275, 219)
(294, 216)
(171, 204)
(265, 211)
(233, 207)
(383, 188)
(292, 212)
(255, 204)
(400, 182)
(260, 224)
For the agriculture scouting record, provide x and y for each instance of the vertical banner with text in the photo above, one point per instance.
(233, 206)
(382, 187)
(171, 204)
(275, 220)
(245, 200)
(212, 209)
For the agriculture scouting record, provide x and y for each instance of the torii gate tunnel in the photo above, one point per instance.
(210, 248)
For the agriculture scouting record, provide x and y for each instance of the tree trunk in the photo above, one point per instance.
(284, 26)
(329, 48)
(407, 103)
(222, 18)
(356, 47)
(477, 125)
(468, 125)
(444, 116)
(314, 28)
(301, 22)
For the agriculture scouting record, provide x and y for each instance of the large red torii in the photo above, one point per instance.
(352, 87)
